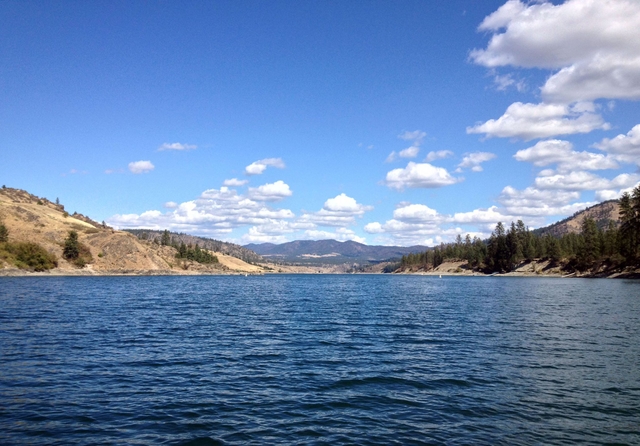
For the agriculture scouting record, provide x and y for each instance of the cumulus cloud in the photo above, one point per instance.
(258, 167)
(341, 210)
(560, 152)
(432, 156)
(626, 148)
(341, 234)
(270, 192)
(177, 146)
(138, 167)
(593, 44)
(581, 180)
(491, 215)
(419, 175)
(416, 138)
(535, 202)
(474, 160)
(215, 212)
(170, 205)
(234, 182)
(413, 224)
(530, 121)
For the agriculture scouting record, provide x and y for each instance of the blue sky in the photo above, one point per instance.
(402, 122)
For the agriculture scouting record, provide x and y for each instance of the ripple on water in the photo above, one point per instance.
(319, 360)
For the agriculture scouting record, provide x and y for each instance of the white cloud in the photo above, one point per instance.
(234, 182)
(170, 205)
(534, 202)
(258, 167)
(419, 175)
(138, 167)
(215, 213)
(392, 157)
(626, 148)
(609, 194)
(413, 224)
(503, 82)
(177, 146)
(416, 212)
(416, 136)
(340, 234)
(474, 161)
(585, 181)
(491, 215)
(593, 43)
(432, 156)
(338, 211)
(409, 152)
(560, 152)
(530, 121)
(270, 192)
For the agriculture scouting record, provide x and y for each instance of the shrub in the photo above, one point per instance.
(31, 256)
(4, 233)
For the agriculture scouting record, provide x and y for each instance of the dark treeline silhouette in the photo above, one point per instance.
(613, 245)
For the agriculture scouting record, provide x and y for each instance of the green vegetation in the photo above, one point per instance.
(76, 252)
(505, 249)
(196, 254)
(29, 256)
(188, 252)
(4, 233)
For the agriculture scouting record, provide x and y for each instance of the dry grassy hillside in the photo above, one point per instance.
(602, 213)
(32, 219)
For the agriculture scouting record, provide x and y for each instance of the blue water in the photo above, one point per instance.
(319, 360)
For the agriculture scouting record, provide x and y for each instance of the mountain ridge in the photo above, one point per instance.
(331, 251)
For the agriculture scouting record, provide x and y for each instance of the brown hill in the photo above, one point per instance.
(603, 213)
(33, 219)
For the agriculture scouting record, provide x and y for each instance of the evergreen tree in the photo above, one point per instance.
(165, 240)
(71, 246)
(589, 250)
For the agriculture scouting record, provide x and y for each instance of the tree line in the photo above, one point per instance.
(188, 252)
(614, 245)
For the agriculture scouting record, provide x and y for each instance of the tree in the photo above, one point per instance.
(71, 246)
(628, 226)
(4, 233)
(165, 240)
(589, 252)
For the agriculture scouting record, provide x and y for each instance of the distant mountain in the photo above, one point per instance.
(603, 213)
(330, 251)
(230, 249)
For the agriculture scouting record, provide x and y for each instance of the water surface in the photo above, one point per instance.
(319, 360)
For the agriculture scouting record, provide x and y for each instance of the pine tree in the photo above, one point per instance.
(165, 240)
(71, 246)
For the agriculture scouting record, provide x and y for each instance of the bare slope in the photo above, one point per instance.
(33, 219)
(602, 213)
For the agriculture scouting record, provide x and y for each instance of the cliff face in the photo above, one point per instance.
(33, 219)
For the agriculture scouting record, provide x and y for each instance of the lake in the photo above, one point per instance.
(319, 359)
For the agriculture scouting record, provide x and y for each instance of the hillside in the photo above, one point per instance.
(230, 249)
(603, 213)
(330, 251)
(29, 218)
